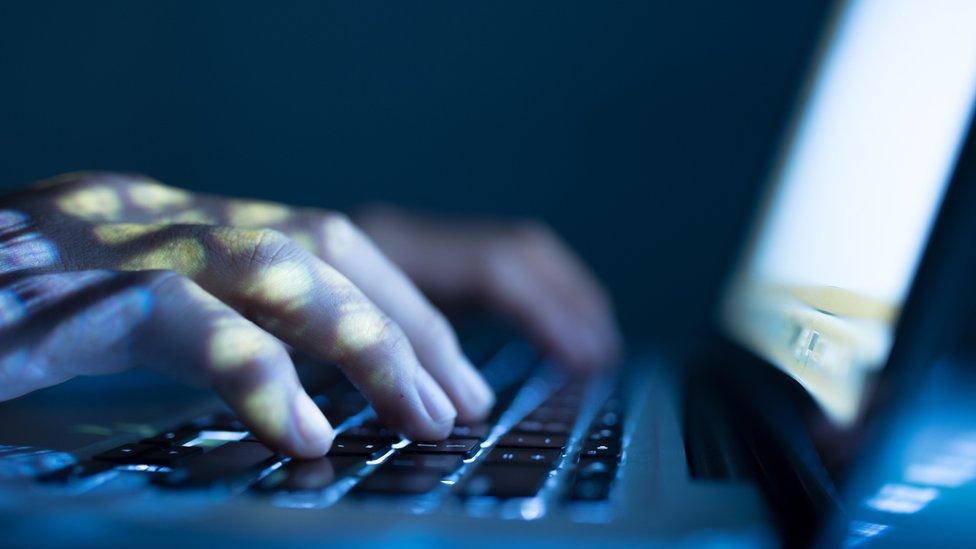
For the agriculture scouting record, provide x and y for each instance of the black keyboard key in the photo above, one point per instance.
(233, 462)
(613, 404)
(478, 430)
(505, 481)
(524, 456)
(339, 412)
(602, 435)
(127, 453)
(216, 422)
(565, 398)
(528, 440)
(398, 484)
(596, 468)
(441, 463)
(370, 430)
(603, 449)
(553, 413)
(169, 438)
(607, 420)
(78, 472)
(447, 446)
(590, 489)
(369, 448)
(168, 457)
(544, 427)
(309, 475)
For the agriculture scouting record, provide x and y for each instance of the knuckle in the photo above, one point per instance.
(391, 339)
(266, 247)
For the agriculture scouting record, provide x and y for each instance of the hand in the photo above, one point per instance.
(522, 271)
(100, 272)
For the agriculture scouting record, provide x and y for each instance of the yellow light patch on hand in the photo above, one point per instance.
(190, 217)
(92, 203)
(183, 255)
(237, 242)
(360, 326)
(120, 233)
(267, 408)
(155, 197)
(287, 284)
(383, 378)
(256, 214)
(236, 342)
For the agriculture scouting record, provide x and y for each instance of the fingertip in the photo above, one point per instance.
(314, 432)
(440, 411)
(476, 398)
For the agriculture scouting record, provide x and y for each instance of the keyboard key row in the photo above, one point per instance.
(600, 454)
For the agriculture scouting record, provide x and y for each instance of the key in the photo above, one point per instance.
(547, 427)
(370, 448)
(600, 435)
(478, 430)
(611, 420)
(127, 453)
(398, 484)
(525, 440)
(613, 404)
(216, 422)
(524, 456)
(448, 446)
(596, 468)
(504, 481)
(337, 412)
(441, 463)
(169, 438)
(370, 431)
(309, 475)
(85, 470)
(232, 462)
(591, 489)
(553, 413)
(601, 449)
(168, 457)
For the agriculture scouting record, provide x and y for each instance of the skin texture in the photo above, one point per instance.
(100, 272)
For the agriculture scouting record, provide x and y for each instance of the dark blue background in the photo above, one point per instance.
(641, 130)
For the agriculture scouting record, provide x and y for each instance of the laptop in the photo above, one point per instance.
(826, 324)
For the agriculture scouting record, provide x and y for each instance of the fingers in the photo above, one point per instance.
(287, 291)
(549, 260)
(100, 322)
(525, 273)
(308, 304)
(345, 247)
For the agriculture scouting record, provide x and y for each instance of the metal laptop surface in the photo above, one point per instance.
(655, 496)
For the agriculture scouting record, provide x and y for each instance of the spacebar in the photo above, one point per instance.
(233, 462)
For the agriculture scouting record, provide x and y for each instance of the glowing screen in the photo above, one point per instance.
(855, 193)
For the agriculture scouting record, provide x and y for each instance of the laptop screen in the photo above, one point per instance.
(854, 195)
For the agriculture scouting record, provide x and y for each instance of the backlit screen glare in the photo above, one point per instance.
(855, 193)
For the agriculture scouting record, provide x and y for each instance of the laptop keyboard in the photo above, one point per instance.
(549, 438)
